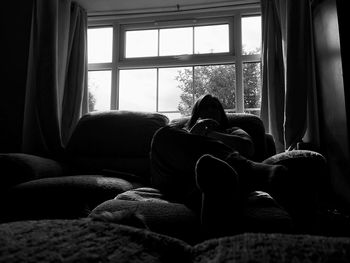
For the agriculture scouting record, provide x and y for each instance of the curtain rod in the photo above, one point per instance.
(176, 9)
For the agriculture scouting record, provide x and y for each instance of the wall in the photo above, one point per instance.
(15, 22)
(333, 98)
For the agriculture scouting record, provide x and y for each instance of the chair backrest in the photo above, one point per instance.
(114, 140)
(252, 124)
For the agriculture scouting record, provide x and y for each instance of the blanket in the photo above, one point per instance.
(86, 240)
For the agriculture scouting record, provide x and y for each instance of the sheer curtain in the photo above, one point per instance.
(288, 109)
(57, 75)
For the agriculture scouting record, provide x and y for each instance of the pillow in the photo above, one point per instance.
(19, 167)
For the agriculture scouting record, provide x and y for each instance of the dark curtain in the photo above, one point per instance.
(288, 103)
(57, 75)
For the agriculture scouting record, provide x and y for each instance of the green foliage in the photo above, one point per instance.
(220, 81)
(252, 85)
(92, 101)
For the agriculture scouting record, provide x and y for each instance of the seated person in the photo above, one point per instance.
(207, 163)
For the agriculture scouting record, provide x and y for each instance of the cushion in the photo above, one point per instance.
(118, 140)
(305, 188)
(61, 197)
(85, 240)
(19, 167)
(173, 219)
(307, 169)
(273, 248)
(143, 194)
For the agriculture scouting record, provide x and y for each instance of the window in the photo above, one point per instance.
(165, 65)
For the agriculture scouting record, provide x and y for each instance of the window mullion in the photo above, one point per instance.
(157, 91)
(115, 77)
(239, 64)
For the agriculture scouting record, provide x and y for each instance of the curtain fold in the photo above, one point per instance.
(56, 77)
(272, 106)
(287, 70)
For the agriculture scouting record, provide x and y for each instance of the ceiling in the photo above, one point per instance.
(125, 6)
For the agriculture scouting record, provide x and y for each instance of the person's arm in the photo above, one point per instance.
(242, 144)
(237, 139)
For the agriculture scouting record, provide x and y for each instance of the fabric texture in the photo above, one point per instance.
(174, 153)
(172, 219)
(86, 241)
(57, 76)
(250, 247)
(90, 241)
(19, 168)
(114, 140)
(60, 197)
(272, 93)
(306, 188)
(288, 71)
(251, 124)
(143, 194)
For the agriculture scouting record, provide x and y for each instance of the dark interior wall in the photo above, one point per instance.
(343, 14)
(332, 90)
(15, 27)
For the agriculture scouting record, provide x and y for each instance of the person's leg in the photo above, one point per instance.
(221, 210)
(254, 176)
(174, 153)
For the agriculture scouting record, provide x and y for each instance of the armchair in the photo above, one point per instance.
(105, 168)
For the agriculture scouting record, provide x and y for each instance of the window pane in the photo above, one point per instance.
(99, 90)
(137, 89)
(252, 87)
(141, 43)
(251, 35)
(172, 115)
(218, 80)
(100, 42)
(176, 41)
(171, 87)
(211, 39)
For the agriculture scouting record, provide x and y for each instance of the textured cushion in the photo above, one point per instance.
(144, 194)
(18, 168)
(118, 140)
(90, 241)
(273, 248)
(307, 168)
(249, 123)
(61, 197)
(305, 188)
(171, 219)
(86, 241)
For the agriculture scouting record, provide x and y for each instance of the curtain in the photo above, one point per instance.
(288, 71)
(57, 76)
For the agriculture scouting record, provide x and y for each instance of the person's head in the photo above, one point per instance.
(208, 107)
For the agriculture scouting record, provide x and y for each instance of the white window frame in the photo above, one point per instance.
(121, 24)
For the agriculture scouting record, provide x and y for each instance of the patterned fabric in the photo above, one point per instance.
(86, 241)
(144, 194)
(90, 241)
(273, 248)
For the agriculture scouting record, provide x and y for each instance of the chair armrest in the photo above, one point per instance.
(306, 168)
(18, 168)
(305, 188)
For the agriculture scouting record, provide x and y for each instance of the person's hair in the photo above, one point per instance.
(204, 101)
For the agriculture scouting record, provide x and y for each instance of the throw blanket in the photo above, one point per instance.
(85, 240)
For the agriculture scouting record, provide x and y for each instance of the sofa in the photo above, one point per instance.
(102, 181)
